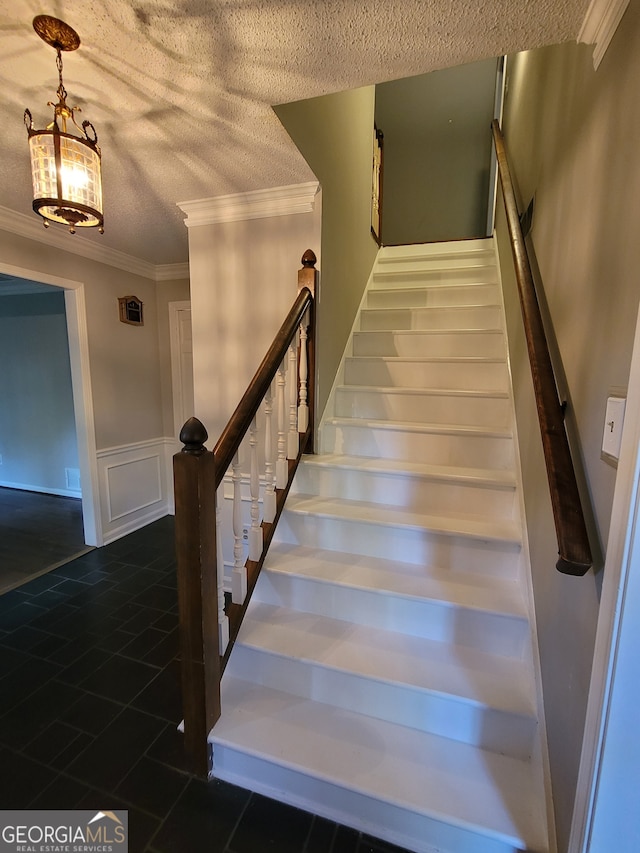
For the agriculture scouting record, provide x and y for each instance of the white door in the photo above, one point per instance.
(181, 363)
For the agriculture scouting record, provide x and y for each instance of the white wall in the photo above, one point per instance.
(37, 424)
(243, 282)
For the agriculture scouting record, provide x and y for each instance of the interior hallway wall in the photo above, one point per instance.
(123, 359)
(573, 137)
(244, 280)
(125, 459)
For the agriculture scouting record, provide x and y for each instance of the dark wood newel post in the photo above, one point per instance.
(195, 533)
(308, 277)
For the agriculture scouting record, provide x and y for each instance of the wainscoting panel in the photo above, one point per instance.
(134, 486)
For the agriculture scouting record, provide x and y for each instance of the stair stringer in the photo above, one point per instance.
(543, 768)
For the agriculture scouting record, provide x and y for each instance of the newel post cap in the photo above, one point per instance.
(193, 436)
(309, 258)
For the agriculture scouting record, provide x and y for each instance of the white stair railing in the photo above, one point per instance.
(219, 498)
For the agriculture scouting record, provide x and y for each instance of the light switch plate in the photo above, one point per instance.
(612, 433)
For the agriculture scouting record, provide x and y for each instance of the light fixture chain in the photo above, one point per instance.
(62, 92)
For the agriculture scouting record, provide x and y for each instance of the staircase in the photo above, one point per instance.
(384, 674)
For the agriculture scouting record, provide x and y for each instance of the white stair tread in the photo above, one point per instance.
(412, 426)
(495, 331)
(390, 516)
(477, 677)
(495, 478)
(422, 287)
(434, 776)
(425, 268)
(410, 308)
(425, 392)
(431, 359)
(391, 577)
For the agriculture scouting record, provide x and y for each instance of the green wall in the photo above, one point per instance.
(437, 153)
(335, 135)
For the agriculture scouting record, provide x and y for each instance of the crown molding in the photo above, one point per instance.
(169, 272)
(31, 228)
(600, 24)
(257, 204)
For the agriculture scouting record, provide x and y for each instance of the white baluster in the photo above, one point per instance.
(255, 533)
(282, 469)
(223, 620)
(239, 575)
(269, 506)
(303, 408)
(293, 440)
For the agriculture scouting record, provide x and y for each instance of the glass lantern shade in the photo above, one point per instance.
(67, 183)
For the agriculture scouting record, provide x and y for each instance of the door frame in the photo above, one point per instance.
(76, 314)
(498, 108)
(604, 797)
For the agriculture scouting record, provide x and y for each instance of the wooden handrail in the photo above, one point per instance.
(198, 473)
(573, 543)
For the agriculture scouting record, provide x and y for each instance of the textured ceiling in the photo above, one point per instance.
(180, 91)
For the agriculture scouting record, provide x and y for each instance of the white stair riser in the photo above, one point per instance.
(412, 545)
(415, 493)
(455, 251)
(441, 714)
(431, 448)
(468, 376)
(414, 276)
(481, 317)
(425, 264)
(417, 297)
(368, 814)
(435, 344)
(352, 402)
(434, 256)
(493, 633)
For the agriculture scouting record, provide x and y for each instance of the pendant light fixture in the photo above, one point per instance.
(65, 167)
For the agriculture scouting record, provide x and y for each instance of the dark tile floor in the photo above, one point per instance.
(89, 702)
(37, 532)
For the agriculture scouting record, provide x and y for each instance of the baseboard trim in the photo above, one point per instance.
(43, 490)
(135, 524)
